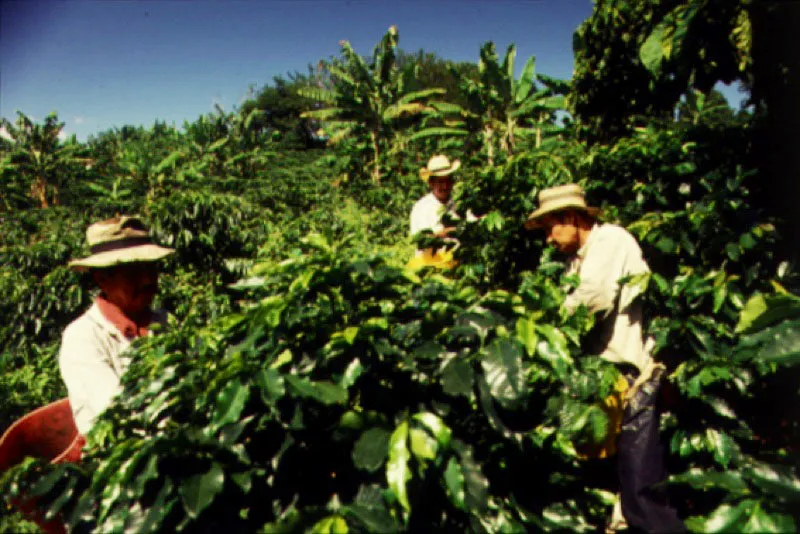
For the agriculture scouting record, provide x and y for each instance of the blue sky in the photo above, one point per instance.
(107, 63)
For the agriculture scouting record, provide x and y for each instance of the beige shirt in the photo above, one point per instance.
(609, 254)
(92, 359)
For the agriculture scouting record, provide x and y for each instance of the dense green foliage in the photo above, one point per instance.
(308, 380)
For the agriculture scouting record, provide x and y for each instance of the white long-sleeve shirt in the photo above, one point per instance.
(427, 215)
(92, 360)
(609, 254)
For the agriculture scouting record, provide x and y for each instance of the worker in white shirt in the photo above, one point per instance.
(601, 254)
(92, 358)
(428, 211)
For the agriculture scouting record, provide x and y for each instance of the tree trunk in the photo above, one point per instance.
(488, 141)
(376, 169)
(776, 85)
(39, 191)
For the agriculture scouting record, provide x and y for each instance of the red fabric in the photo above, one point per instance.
(129, 328)
(49, 433)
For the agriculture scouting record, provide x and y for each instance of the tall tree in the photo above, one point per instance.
(636, 59)
(282, 107)
(369, 100)
(37, 159)
(500, 108)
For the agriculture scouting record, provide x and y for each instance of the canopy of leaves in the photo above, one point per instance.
(309, 380)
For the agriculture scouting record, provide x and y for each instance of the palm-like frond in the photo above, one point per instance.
(339, 135)
(340, 74)
(384, 57)
(542, 104)
(437, 132)
(419, 95)
(398, 110)
(325, 114)
(358, 69)
(319, 94)
(525, 83)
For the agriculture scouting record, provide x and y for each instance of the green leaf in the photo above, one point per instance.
(761, 521)
(722, 446)
(475, 483)
(525, 80)
(282, 359)
(351, 419)
(317, 241)
(502, 366)
(733, 251)
(458, 377)
(243, 480)
(270, 382)
(370, 510)
(554, 348)
(198, 491)
(397, 469)
(351, 374)
(762, 311)
(454, 481)
(776, 480)
(753, 308)
(230, 403)
(778, 344)
(705, 479)
(651, 53)
(725, 518)
(159, 510)
(349, 334)
(46, 482)
(333, 524)
(322, 391)
(436, 426)
(437, 132)
(526, 333)
(720, 291)
(423, 445)
(370, 450)
(746, 241)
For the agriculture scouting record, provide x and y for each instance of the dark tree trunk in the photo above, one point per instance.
(776, 87)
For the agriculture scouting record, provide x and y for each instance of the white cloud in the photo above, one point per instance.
(78, 119)
(62, 135)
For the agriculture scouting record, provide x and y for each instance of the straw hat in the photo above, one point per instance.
(558, 198)
(120, 240)
(439, 165)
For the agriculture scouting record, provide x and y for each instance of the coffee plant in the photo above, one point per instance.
(309, 380)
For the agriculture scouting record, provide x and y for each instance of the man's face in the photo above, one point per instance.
(130, 286)
(441, 187)
(562, 231)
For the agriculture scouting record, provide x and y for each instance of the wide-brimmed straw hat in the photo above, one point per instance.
(559, 198)
(119, 240)
(439, 165)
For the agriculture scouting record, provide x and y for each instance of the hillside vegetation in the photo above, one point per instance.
(309, 380)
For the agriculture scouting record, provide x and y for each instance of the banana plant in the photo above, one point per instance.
(501, 109)
(369, 102)
(37, 159)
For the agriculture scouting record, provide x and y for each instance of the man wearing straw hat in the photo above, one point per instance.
(602, 254)
(427, 212)
(123, 264)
